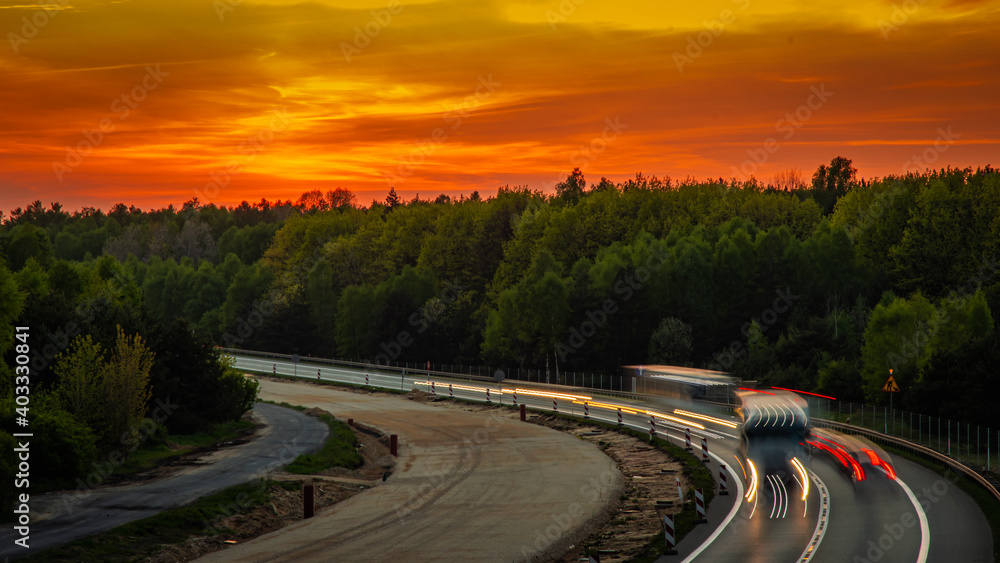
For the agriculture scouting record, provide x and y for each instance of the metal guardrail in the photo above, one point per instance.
(918, 449)
(873, 435)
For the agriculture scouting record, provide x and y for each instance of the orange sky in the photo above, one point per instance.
(455, 96)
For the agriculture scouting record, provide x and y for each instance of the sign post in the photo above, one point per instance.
(890, 387)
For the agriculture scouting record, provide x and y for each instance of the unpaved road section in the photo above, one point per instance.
(468, 486)
(61, 517)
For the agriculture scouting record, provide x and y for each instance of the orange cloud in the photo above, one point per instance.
(452, 97)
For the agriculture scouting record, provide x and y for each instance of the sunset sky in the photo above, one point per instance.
(156, 102)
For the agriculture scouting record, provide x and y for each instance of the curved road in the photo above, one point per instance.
(61, 517)
(875, 520)
(468, 486)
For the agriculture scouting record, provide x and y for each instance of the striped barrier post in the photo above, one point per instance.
(680, 491)
(488, 395)
(652, 427)
(699, 503)
(366, 378)
(555, 405)
(433, 390)
(723, 489)
(515, 398)
(274, 369)
(586, 410)
(704, 449)
(668, 532)
(687, 439)
(450, 392)
(317, 374)
(619, 417)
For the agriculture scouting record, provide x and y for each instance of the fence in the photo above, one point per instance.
(974, 445)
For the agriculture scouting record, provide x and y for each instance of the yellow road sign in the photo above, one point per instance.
(890, 386)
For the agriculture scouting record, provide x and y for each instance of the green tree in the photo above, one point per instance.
(671, 343)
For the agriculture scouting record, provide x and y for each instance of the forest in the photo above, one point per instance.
(822, 286)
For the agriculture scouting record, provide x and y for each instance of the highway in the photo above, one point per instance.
(61, 517)
(919, 516)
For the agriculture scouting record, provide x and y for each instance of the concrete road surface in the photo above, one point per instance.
(58, 518)
(467, 487)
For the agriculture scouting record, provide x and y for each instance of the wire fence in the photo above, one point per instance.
(976, 446)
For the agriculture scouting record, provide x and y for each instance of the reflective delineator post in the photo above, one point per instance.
(394, 445)
(366, 378)
(704, 449)
(317, 374)
(308, 506)
(274, 369)
(433, 391)
(515, 398)
(687, 439)
(619, 417)
(451, 393)
(488, 395)
(652, 428)
(723, 489)
(555, 405)
(524, 413)
(680, 491)
(699, 503)
(586, 410)
(668, 532)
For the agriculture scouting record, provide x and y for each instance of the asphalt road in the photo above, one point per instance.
(60, 517)
(874, 520)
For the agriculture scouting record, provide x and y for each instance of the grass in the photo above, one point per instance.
(147, 457)
(339, 450)
(138, 540)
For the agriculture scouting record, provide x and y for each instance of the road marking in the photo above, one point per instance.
(729, 518)
(925, 531)
(821, 520)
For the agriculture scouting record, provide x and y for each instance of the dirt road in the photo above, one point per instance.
(467, 487)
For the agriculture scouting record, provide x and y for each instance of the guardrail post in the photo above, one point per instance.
(307, 501)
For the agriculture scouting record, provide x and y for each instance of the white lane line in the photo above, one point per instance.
(774, 494)
(925, 531)
(729, 517)
(822, 519)
(784, 494)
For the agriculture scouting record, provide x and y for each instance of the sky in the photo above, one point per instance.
(153, 103)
